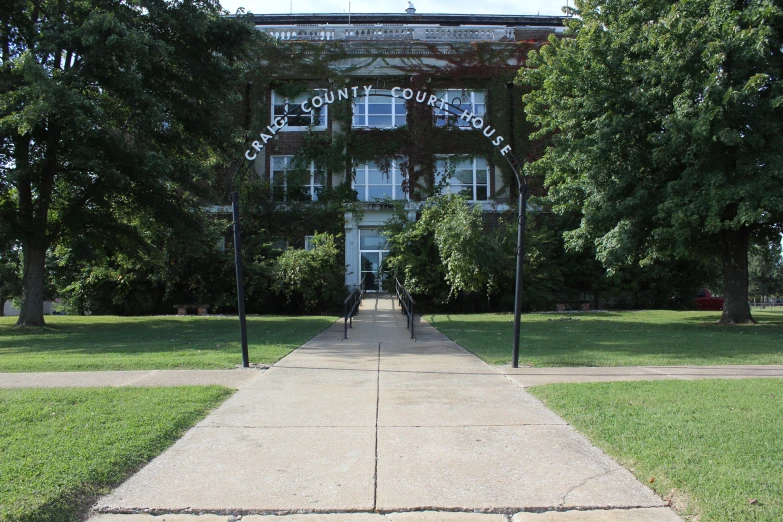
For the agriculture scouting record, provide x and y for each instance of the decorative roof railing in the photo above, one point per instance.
(433, 33)
(425, 19)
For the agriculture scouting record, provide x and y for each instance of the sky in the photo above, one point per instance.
(503, 7)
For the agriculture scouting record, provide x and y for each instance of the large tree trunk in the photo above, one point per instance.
(31, 313)
(736, 309)
(34, 201)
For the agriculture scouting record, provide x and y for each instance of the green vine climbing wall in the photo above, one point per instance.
(291, 69)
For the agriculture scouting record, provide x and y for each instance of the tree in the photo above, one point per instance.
(315, 278)
(175, 265)
(110, 111)
(666, 125)
(766, 268)
(10, 284)
(448, 251)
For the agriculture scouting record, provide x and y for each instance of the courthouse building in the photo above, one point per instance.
(396, 107)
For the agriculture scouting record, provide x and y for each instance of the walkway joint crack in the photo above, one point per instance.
(585, 481)
(377, 410)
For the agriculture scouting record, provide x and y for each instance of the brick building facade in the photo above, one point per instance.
(409, 104)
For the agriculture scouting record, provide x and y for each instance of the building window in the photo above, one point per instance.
(298, 120)
(461, 100)
(378, 111)
(465, 176)
(372, 183)
(278, 243)
(291, 182)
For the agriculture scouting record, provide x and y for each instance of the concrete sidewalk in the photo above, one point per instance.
(229, 378)
(525, 377)
(381, 428)
(535, 376)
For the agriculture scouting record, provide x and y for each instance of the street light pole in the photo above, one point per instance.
(521, 222)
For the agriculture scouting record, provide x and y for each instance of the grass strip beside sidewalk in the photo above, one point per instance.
(638, 338)
(77, 343)
(714, 447)
(61, 448)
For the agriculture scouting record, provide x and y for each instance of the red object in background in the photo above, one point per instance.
(705, 301)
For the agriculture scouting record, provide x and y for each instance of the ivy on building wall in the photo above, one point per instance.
(292, 69)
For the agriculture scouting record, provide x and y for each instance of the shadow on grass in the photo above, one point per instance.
(761, 320)
(105, 335)
(621, 339)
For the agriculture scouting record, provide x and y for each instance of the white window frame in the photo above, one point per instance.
(439, 160)
(294, 106)
(395, 181)
(365, 102)
(309, 244)
(445, 118)
(311, 186)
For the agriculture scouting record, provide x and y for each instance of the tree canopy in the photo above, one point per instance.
(110, 113)
(666, 126)
(448, 251)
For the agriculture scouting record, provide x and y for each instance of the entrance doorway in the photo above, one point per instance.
(373, 248)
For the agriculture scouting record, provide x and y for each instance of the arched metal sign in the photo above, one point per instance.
(422, 97)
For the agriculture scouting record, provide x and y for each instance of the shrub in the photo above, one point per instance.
(311, 280)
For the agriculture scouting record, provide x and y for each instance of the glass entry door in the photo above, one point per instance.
(372, 249)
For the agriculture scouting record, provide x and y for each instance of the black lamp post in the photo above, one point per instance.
(521, 224)
(240, 277)
(521, 221)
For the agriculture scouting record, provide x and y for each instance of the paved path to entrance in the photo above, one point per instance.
(379, 427)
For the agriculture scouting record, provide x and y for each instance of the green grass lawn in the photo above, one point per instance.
(74, 343)
(61, 448)
(714, 447)
(651, 337)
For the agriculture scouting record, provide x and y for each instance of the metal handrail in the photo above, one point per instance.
(351, 306)
(406, 303)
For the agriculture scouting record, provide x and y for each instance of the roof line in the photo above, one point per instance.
(407, 19)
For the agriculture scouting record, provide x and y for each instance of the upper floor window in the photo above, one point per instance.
(466, 176)
(298, 119)
(379, 110)
(292, 182)
(460, 100)
(372, 183)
